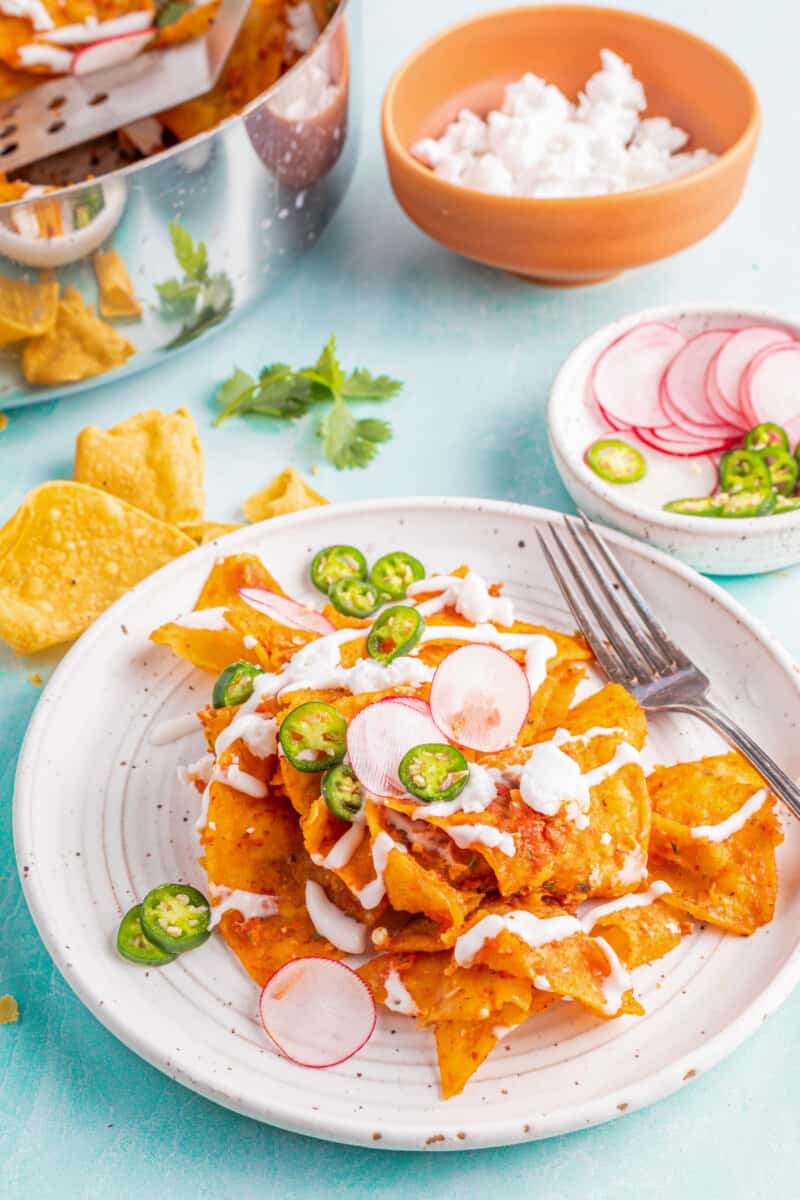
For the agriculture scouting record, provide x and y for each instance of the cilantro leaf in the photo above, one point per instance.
(191, 257)
(348, 442)
(288, 397)
(177, 300)
(361, 384)
(327, 368)
(170, 12)
(233, 391)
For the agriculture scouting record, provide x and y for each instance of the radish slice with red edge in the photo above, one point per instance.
(90, 32)
(678, 444)
(380, 736)
(317, 1011)
(684, 381)
(693, 428)
(110, 52)
(285, 611)
(626, 378)
(771, 388)
(480, 697)
(727, 368)
(617, 426)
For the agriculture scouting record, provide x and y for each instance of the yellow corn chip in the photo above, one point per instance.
(78, 346)
(287, 493)
(26, 309)
(67, 553)
(206, 531)
(117, 297)
(9, 1010)
(152, 460)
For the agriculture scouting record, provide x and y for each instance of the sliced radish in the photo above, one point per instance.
(627, 375)
(285, 611)
(727, 368)
(770, 388)
(317, 1011)
(684, 380)
(619, 426)
(719, 432)
(110, 52)
(678, 444)
(91, 30)
(381, 735)
(480, 697)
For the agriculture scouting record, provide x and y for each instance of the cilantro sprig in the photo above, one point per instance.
(199, 299)
(287, 394)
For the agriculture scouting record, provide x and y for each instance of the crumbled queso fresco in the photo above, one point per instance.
(541, 145)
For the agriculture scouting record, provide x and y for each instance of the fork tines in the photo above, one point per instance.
(628, 641)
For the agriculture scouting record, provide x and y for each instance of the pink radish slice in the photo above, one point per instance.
(679, 444)
(381, 735)
(110, 52)
(627, 375)
(684, 380)
(693, 428)
(771, 388)
(480, 697)
(317, 1011)
(618, 426)
(726, 370)
(285, 611)
(90, 32)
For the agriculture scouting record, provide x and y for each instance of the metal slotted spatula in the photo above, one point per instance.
(74, 108)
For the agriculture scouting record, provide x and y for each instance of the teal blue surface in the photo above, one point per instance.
(80, 1115)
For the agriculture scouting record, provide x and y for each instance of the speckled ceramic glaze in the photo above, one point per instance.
(100, 818)
(714, 545)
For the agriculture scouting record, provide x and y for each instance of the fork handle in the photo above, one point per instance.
(778, 780)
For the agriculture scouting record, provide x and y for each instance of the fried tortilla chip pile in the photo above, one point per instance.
(136, 502)
(478, 915)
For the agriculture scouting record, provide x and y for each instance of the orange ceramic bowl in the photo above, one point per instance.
(583, 239)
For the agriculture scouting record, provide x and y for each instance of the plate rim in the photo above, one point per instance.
(352, 1130)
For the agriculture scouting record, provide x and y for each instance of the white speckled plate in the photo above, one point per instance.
(716, 545)
(99, 819)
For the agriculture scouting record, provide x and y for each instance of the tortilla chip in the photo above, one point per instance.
(640, 935)
(77, 347)
(26, 309)
(731, 883)
(194, 22)
(262, 944)
(18, 31)
(153, 460)
(9, 1010)
(117, 297)
(233, 572)
(442, 991)
(67, 554)
(207, 531)
(209, 650)
(461, 1046)
(254, 63)
(287, 493)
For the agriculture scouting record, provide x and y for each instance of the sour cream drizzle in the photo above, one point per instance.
(470, 597)
(733, 823)
(342, 931)
(551, 780)
(173, 729)
(343, 850)
(465, 836)
(480, 791)
(591, 912)
(371, 895)
(259, 734)
(533, 931)
(203, 618)
(398, 998)
(249, 904)
(30, 10)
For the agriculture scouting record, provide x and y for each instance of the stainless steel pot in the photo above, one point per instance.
(258, 190)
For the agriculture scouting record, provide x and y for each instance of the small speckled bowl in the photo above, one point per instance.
(581, 239)
(714, 545)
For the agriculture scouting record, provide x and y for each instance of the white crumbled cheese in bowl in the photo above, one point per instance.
(542, 146)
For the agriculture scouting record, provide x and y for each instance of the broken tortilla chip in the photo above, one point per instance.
(26, 309)
(69, 552)
(78, 346)
(152, 460)
(117, 297)
(9, 1010)
(287, 493)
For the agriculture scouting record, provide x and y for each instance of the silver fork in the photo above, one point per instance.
(633, 648)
